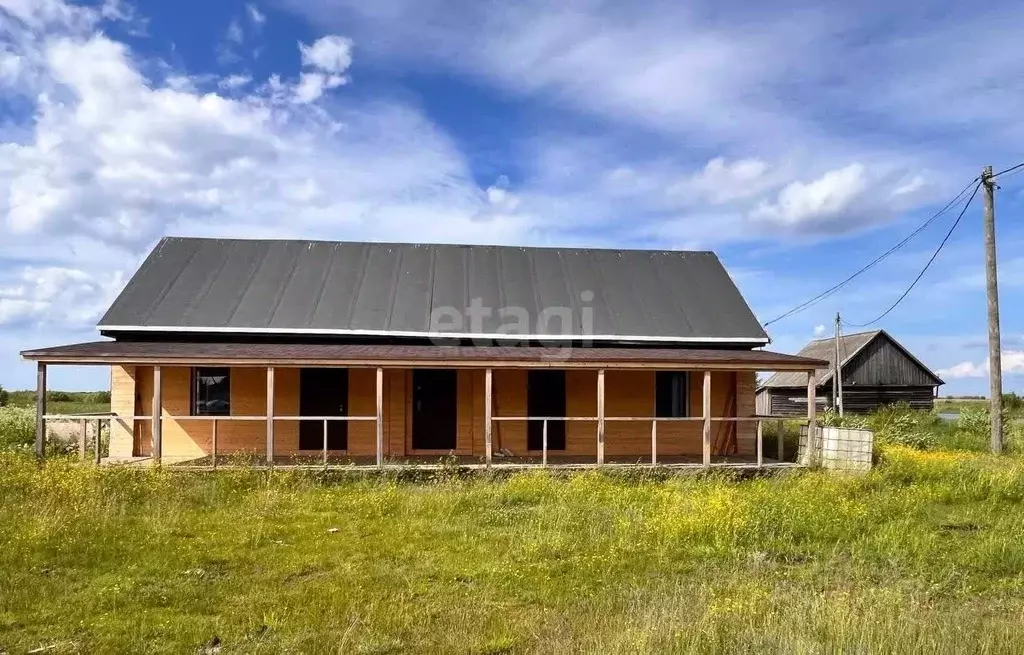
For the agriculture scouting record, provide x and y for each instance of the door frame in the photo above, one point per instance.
(460, 440)
(348, 412)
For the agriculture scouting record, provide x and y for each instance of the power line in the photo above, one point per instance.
(1008, 170)
(828, 292)
(926, 266)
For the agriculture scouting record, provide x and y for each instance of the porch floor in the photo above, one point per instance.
(433, 462)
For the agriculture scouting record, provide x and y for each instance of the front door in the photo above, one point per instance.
(545, 396)
(323, 392)
(434, 409)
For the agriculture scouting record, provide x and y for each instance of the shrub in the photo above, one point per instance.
(973, 422)
(1012, 402)
(4, 397)
(58, 397)
(99, 397)
(900, 425)
(17, 428)
(831, 418)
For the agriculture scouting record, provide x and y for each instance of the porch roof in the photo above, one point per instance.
(365, 355)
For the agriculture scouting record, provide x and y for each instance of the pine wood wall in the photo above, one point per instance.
(627, 393)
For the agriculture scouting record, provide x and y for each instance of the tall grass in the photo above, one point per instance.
(924, 554)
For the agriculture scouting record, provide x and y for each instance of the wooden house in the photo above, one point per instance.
(876, 370)
(395, 354)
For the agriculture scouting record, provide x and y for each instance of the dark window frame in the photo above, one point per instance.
(672, 394)
(209, 371)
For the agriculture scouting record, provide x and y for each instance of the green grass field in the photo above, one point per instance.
(925, 554)
(64, 402)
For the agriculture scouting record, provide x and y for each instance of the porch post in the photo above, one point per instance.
(760, 444)
(270, 415)
(600, 416)
(99, 430)
(40, 410)
(780, 442)
(82, 438)
(380, 417)
(158, 421)
(654, 441)
(544, 444)
(488, 383)
(812, 410)
(707, 418)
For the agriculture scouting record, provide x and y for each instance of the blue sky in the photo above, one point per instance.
(797, 142)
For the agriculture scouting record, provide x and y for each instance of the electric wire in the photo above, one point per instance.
(831, 290)
(926, 266)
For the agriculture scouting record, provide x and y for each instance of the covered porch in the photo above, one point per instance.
(428, 406)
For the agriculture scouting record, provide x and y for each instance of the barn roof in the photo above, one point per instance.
(404, 290)
(824, 349)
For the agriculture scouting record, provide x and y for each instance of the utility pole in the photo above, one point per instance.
(837, 375)
(995, 359)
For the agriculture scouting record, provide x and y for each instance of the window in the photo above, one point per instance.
(672, 394)
(211, 391)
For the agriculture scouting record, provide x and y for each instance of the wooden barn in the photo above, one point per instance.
(876, 370)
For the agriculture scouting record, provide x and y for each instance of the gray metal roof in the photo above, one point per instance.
(383, 289)
(849, 346)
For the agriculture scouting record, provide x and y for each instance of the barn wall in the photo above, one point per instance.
(863, 400)
(627, 393)
(791, 401)
(882, 363)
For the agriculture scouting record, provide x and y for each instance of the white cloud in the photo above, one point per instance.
(313, 85)
(819, 330)
(823, 199)
(255, 15)
(66, 295)
(111, 159)
(235, 33)
(1012, 362)
(722, 181)
(232, 82)
(330, 54)
(329, 57)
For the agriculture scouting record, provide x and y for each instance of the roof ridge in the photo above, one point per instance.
(441, 245)
(845, 335)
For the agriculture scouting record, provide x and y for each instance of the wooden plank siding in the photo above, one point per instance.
(628, 393)
(881, 363)
(792, 401)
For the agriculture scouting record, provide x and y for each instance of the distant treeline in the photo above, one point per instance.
(27, 398)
